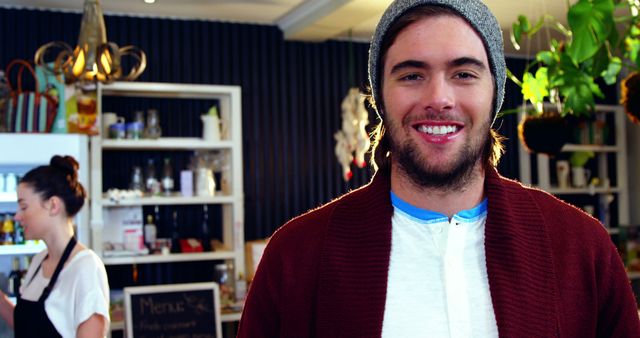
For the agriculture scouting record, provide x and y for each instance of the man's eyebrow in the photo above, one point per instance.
(408, 64)
(467, 61)
(461, 61)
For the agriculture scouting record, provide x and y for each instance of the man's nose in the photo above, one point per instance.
(438, 95)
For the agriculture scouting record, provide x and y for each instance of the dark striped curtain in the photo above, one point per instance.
(291, 95)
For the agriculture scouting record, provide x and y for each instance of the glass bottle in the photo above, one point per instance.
(2, 229)
(137, 182)
(153, 129)
(7, 230)
(152, 183)
(18, 233)
(150, 233)
(156, 216)
(175, 240)
(167, 177)
(15, 278)
(204, 229)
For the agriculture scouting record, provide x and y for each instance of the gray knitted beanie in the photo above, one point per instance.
(473, 11)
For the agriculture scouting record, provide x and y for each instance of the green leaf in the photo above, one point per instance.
(632, 46)
(516, 35)
(580, 158)
(524, 23)
(576, 86)
(578, 92)
(519, 28)
(599, 63)
(591, 22)
(546, 57)
(535, 88)
(610, 75)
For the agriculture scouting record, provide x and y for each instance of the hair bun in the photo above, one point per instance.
(66, 164)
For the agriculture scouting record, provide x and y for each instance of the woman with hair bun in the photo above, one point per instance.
(65, 293)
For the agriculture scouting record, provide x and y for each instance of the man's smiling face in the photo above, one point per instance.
(437, 93)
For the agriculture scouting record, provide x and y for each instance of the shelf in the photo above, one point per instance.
(106, 220)
(165, 143)
(633, 274)
(116, 326)
(590, 147)
(613, 231)
(230, 317)
(8, 197)
(581, 191)
(167, 200)
(179, 257)
(22, 249)
(169, 90)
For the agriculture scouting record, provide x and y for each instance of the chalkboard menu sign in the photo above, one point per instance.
(173, 311)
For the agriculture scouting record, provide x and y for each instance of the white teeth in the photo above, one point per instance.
(437, 130)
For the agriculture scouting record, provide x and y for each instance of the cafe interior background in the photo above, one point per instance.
(293, 62)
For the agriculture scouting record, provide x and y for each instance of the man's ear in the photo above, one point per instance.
(54, 205)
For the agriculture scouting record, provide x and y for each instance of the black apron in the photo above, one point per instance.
(30, 318)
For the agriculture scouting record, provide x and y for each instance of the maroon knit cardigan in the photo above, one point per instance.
(553, 270)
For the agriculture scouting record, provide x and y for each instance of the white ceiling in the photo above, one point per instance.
(308, 20)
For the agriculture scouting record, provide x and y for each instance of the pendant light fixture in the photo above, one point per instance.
(94, 58)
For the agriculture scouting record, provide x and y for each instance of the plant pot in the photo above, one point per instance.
(630, 97)
(545, 133)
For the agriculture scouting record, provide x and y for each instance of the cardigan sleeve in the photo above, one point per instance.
(617, 311)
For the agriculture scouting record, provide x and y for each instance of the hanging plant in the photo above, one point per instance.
(544, 133)
(630, 87)
(631, 96)
(565, 76)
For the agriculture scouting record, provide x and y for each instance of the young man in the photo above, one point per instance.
(438, 244)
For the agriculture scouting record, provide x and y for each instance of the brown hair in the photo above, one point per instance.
(59, 178)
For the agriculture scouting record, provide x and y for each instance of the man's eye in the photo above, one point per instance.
(465, 75)
(410, 77)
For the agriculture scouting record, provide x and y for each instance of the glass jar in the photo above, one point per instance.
(223, 275)
(138, 116)
(134, 130)
(153, 129)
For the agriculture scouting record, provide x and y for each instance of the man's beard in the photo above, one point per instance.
(424, 175)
